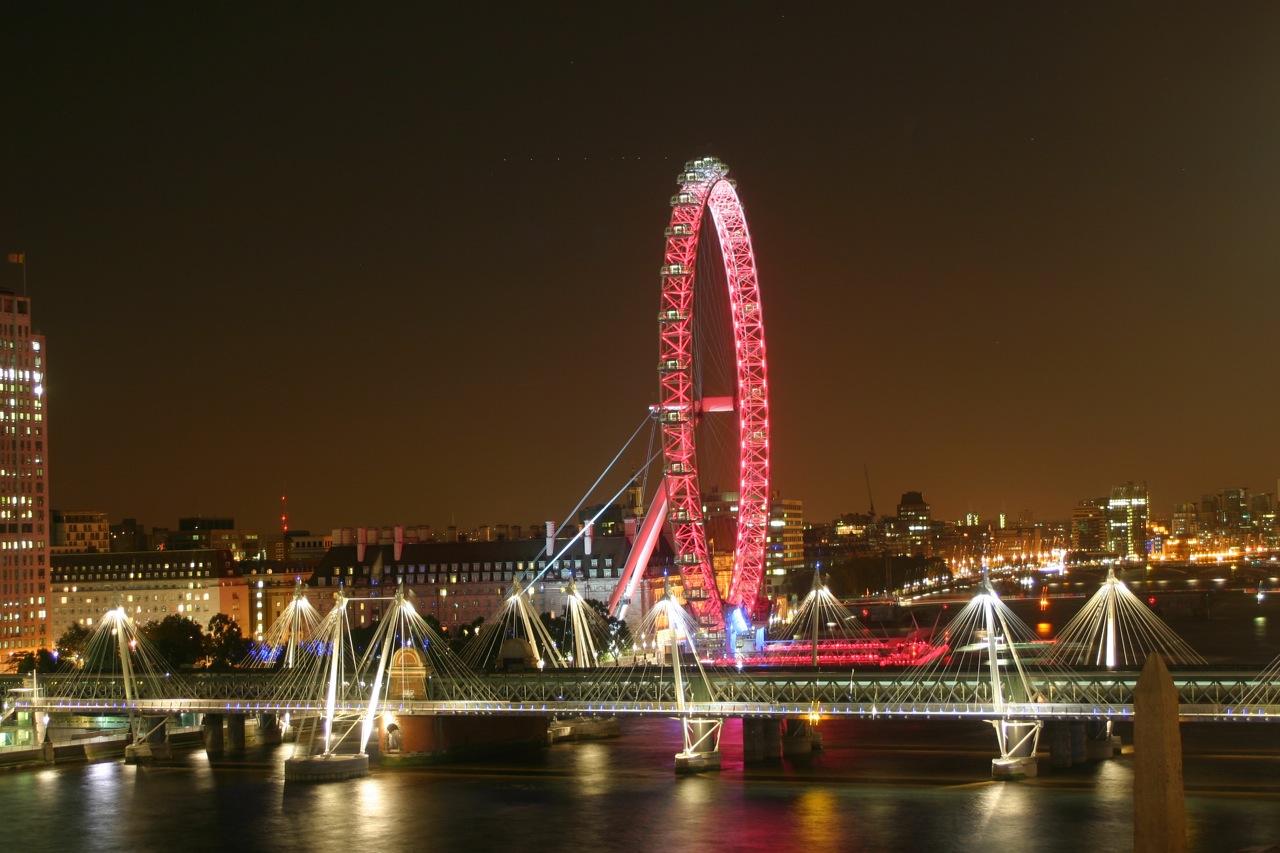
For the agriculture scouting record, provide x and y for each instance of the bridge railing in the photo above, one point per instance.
(1203, 694)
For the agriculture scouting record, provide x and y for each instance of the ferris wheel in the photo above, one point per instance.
(713, 388)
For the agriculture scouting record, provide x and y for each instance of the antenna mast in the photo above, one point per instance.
(870, 499)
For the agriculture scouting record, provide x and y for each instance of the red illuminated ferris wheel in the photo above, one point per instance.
(694, 298)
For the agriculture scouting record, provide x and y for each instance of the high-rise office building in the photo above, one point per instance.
(1089, 526)
(1127, 521)
(24, 478)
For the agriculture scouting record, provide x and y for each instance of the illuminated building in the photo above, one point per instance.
(215, 533)
(913, 526)
(1184, 521)
(784, 550)
(24, 533)
(269, 589)
(150, 585)
(80, 531)
(1089, 529)
(460, 581)
(1127, 521)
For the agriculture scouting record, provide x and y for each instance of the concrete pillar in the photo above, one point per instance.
(1098, 741)
(269, 728)
(1159, 811)
(703, 737)
(157, 729)
(1079, 752)
(211, 729)
(235, 732)
(752, 740)
(1018, 740)
(771, 736)
(761, 739)
(795, 739)
(153, 744)
(1059, 743)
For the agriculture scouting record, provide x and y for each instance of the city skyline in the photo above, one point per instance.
(403, 269)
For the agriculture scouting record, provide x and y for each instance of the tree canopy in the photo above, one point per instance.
(178, 640)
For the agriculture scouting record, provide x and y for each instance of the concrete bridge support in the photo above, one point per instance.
(798, 738)
(1100, 743)
(761, 740)
(269, 730)
(1073, 742)
(1079, 751)
(1059, 743)
(1018, 740)
(211, 730)
(235, 732)
(702, 746)
(152, 741)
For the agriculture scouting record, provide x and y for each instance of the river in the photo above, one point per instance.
(878, 785)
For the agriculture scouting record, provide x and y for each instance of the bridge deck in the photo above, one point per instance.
(1204, 694)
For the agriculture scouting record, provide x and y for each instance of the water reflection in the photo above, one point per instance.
(878, 786)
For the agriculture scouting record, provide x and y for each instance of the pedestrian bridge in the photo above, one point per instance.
(1204, 694)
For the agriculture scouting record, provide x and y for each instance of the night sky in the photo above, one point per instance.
(403, 264)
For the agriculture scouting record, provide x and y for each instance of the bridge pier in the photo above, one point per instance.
(151, 741)
(1100, 743)
(1059, 743)
(408, 740)
(761, 739)
(235, 732)
(211, 729)
(1018, 740)
(798, 738)
(269, 730)
(701, 746)
(1073, 742)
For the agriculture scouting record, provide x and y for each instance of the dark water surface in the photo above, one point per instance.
(879, 785)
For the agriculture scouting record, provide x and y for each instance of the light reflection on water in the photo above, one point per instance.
(622, 795)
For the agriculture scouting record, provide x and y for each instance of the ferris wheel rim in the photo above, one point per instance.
(706, 187)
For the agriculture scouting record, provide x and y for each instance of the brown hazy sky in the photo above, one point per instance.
(403, 263)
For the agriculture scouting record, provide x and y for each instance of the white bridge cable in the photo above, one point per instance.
(1115, 628)
(663, 657)
(1265, 691)
(582, 531)
(407, 660)
(649, 417)
(515, 620)
(286, 638)
(983, 640)
(118, 663)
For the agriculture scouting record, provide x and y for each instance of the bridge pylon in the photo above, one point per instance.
(338, 720)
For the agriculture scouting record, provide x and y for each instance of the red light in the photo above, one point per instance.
(1151, 600)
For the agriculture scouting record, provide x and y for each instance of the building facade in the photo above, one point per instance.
(460, 582)
(24, 526)
(1127, 521)
(784, 562)
(149, 585)
(81, 531)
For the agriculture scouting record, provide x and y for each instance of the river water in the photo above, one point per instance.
(878, 785)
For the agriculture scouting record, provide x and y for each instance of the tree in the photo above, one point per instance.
(619, 631)
(224, 644)
(465, 635)
(71, 644)
(178, 640)
(38, 661)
